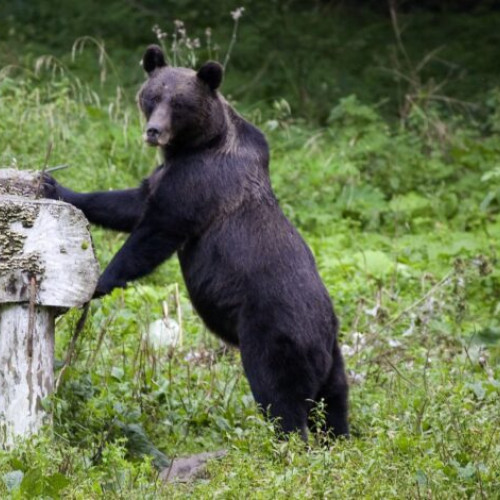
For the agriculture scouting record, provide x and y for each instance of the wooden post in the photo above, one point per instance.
(47, 265)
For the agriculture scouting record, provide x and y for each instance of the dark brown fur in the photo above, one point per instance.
(250, 275)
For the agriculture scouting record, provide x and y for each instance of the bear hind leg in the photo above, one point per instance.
(280, 383)
(334, 393)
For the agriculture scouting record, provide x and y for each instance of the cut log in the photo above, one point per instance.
(27, 373)
(47, 265)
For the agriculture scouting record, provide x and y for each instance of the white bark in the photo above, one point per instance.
(26, 369)
(47, 264)
(48, 239)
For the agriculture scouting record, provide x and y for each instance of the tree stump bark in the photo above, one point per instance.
(47, 265)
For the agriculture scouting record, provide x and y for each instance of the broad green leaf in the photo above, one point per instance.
(375, 263)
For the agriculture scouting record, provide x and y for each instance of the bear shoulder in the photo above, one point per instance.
(244, 138)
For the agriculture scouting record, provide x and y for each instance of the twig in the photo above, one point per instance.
(179, 312)
(236, 17)
(57, 167)
(44, 169)
(397, 33)
(71, 348)
(417, 302)
(395, 368)
(100, 339)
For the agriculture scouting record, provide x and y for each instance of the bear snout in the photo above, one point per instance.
(152, 134)
(156, 137)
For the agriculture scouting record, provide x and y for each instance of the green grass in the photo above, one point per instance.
(403, 221)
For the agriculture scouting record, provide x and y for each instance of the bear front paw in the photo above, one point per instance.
(50, 187)
(104, 287)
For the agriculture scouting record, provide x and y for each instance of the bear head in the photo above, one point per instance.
(182, 106)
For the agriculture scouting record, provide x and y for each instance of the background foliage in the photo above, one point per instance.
(384, 132)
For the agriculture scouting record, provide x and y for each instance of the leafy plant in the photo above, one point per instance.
(403, 224)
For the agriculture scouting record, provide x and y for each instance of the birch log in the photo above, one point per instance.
(47, 265)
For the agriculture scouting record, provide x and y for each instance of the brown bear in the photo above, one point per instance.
(249, 274)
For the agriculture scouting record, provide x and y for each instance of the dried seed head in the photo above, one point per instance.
(236, 14)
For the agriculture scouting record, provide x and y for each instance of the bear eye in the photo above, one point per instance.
(176, 104)
(148, 104)
(182, 104)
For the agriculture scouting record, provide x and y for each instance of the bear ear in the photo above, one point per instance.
(153, 58)
(211, 73)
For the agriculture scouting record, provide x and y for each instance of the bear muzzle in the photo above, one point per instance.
(156, 137)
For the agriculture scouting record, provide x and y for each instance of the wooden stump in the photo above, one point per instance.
(27, 374)
(47, 265)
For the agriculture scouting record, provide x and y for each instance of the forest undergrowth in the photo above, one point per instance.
(398, 198)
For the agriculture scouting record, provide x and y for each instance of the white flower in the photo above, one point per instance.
(162, 333)
(358, 338)
(372, 312)
(356, 378)
(347, 350)
(192, 44)
(394, 343)
(192, 356)
(236, 14)
(158, 32)
(410, 329)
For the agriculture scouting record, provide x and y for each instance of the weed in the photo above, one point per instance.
(405, 233)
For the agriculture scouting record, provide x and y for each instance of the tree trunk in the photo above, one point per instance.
(47, 265)
(27, 368)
